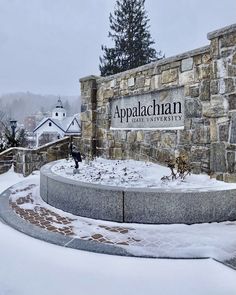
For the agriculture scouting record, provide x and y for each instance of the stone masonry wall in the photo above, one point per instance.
(27, 160)
(208, 75)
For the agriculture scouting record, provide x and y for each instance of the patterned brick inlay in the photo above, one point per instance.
(26, 207)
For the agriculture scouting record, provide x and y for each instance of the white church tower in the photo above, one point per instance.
(59, 112)
(58, 125)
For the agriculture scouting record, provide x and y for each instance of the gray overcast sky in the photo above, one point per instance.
(47, 45)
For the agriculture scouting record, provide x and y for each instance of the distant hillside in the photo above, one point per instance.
(19, 105)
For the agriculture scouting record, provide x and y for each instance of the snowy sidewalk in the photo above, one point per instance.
(30, 265)
(215, 240)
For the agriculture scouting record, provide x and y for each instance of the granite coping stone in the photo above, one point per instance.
(136, 205)
(223, 31)
(47, 169)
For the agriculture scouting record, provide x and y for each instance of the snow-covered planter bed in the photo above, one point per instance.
(133, 174)
(131, 191)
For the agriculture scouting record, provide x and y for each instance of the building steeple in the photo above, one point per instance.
(59, 112)
(59, 103)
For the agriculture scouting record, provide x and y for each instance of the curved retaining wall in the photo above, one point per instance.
(141, 205)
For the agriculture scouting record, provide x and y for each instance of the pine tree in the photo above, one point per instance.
(130, 33)
(20, 138)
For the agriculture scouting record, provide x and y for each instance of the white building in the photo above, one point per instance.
(58, 125)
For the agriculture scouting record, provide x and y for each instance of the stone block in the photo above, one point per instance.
(224, 132)
(234, 59)
(203, 72)
(156, 70)
(86, 116)
(197, 59)
(131, 136)
(213, 70)
(199, 154)
(156, 82)
(87, 129)
(147, 82)
(187, 64)
(155, 136)
(178, 207)
(131, 82)
(228, 40)
(145, 150)
(206, 58)
(120, 135)
(185, 137)
(205, 90)
(217, 108)
(232, 101)
(231, 70)
(218, 157)
(169, 76)
(233, 128)
(147, 137)
(163, 155)
(113, 83)
(140, 136)
(117, 153)
(108, 93)
(193, 108)
(225, 52)
(124, 83)
(221, 68)
(213, 130)
(168, 140)
(214, 86)
(194, 91)
(214, 49)
(101, 133)
(231, 162)
(231, 178)
(140, 81)
(186, 77)
(201, 133)
(229, 85)
(83, 107)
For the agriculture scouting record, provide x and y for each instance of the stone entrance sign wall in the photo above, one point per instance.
(203, 80)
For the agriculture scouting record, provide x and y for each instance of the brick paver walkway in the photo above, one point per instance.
(152, 240)
(50, 220)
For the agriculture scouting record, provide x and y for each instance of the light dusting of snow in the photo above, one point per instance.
(130, 173)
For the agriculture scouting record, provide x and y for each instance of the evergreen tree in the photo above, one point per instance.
(130, 33)
(20, 138)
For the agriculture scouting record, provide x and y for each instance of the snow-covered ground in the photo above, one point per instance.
(215, 240)
(30, 266)
(130, 173)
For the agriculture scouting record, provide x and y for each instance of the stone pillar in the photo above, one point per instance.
(222, 106)
(88, 115)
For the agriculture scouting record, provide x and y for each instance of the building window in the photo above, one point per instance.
(72, 123)
(64, 114)
(56, 114)
(50, 124)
